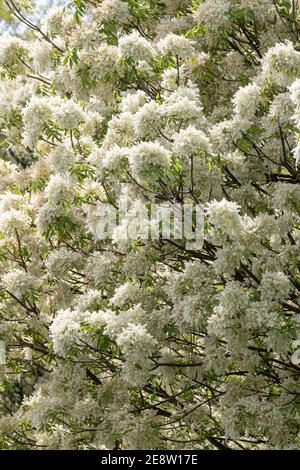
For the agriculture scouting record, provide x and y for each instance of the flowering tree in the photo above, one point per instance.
(128, 343)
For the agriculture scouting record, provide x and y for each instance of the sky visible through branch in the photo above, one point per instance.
(40, 7)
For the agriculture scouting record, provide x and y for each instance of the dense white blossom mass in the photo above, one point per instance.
(150, 344)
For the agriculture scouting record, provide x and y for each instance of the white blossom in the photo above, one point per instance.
(225, 214)
(136, 46)
(11, 49)
(246, 101)
(147, 158)
(176, 45)
(190, 141)
(116, 10)
(120, 331)
(281, 64)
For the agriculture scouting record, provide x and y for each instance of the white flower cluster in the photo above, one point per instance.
(125, 293)
(12, 49)
(281, 64)
(136, 46)
(61, 158)
(118, 333)
(274, 286)
(14, 214)
(190, 141)
(112, 10)
(60, 189)
(20, 283)
(41, 56)
(37, 112)
(55, 20)
(214, 15)
(67, 114)
(61, 261)
(66, 328)
(246, 101)
(147, 157)
(225, 215)
(183, 104)
(133, 101)
(148, 120)
(137, 345)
